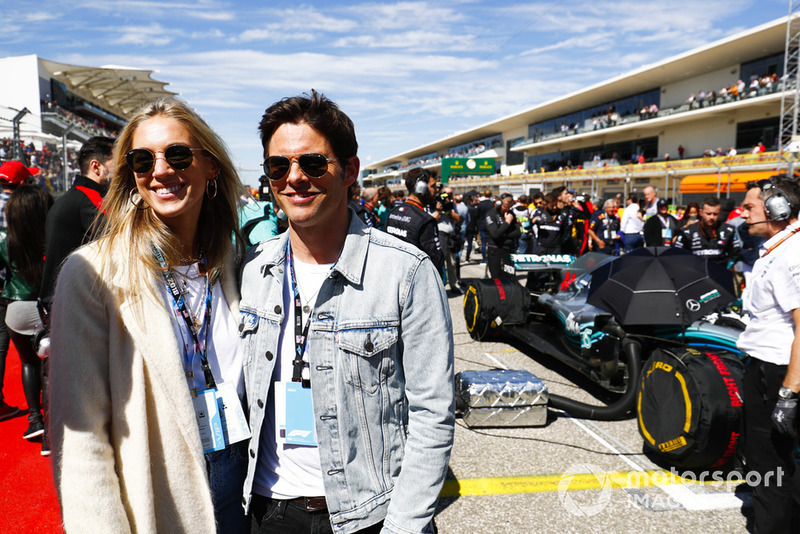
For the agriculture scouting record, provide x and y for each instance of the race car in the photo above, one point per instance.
(660, 340)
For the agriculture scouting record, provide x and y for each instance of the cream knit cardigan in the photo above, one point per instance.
(126, 449)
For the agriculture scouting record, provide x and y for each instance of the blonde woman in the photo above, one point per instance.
(144, 337)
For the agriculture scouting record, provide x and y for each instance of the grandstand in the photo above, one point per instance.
(59, 106)
(721, 103)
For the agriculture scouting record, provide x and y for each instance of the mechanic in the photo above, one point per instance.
(772, 339)
(660, 229)
(604, 228)
(412, 223)
(502, 231)
(710, 237)
(551, 226)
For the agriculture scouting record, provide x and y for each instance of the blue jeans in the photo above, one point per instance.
(632, 241)
(483, 244)
(525, 244)
(226, 473)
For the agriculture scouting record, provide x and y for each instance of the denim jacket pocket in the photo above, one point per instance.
(248, 323)
(366, 355)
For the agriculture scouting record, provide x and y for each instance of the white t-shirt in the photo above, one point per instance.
(772, 292)
(630, 223)
(290, 471)
(224, 355)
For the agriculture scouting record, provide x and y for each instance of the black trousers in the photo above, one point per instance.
(273, 516)
(498, 260)
(768, 452)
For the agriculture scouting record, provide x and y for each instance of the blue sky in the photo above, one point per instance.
(407, 73)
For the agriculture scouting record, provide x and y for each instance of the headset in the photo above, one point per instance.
(776, 203)
(421, 185)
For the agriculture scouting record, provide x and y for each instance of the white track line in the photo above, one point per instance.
(679, 493)
(499, 363)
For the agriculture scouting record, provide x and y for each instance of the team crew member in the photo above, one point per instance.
(604, 228)
(551, 227)
(772, 339)
(503, 231)
(709, 236)
(352, 414)
(661, 228)
(411, 223)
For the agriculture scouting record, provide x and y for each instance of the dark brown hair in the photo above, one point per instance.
(26, 211)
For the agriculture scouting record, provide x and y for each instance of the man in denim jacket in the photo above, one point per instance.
(349, 366)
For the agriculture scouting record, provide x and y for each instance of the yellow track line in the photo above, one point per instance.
(545, 483)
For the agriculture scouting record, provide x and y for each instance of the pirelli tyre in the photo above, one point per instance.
(690, 407)
(492, 302)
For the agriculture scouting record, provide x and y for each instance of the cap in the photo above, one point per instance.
(14, 173)
(661, 203)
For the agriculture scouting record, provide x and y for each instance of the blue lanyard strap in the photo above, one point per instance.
(181, 310)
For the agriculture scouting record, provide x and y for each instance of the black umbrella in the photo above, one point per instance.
(660, 285)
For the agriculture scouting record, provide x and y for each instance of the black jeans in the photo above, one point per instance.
(273, 516)
(767, 450)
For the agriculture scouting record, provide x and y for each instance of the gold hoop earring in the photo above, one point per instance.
(137, 203)
(212, 183)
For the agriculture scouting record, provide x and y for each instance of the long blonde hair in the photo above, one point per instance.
(141, 229)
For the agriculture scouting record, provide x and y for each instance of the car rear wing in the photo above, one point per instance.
(543, 262)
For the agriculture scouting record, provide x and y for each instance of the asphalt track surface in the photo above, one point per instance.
(570, 475)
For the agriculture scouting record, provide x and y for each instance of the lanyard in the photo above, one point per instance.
(181, 310)
(415, 203)
(779, 243)
(300, 331)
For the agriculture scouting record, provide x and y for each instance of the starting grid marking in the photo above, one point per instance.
(551, 483)
(677, 489)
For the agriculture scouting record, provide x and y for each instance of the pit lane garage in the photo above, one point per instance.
(655, 329)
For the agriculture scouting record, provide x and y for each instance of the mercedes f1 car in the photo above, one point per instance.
(654, 328)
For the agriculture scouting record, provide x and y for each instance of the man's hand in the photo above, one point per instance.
(509, 217)
(783, 416)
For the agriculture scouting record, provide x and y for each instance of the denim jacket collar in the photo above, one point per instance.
(352, 258)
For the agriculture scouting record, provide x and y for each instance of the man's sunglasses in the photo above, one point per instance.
(312, 164)
(142, 160)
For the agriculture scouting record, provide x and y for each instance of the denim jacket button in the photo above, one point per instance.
(368, 346)
(252, 453)
(241, 327)
(277, 309)
(260, 403)
(269, 356)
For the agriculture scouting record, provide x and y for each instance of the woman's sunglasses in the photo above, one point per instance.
(312, 164)
(142, 160)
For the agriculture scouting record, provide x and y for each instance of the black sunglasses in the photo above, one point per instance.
(312, 164)
(142, 160)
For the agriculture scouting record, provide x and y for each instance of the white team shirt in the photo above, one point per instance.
(772, 292)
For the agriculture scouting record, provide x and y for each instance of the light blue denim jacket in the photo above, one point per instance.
(381, 364)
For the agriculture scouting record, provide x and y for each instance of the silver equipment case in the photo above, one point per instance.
(501, 397)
